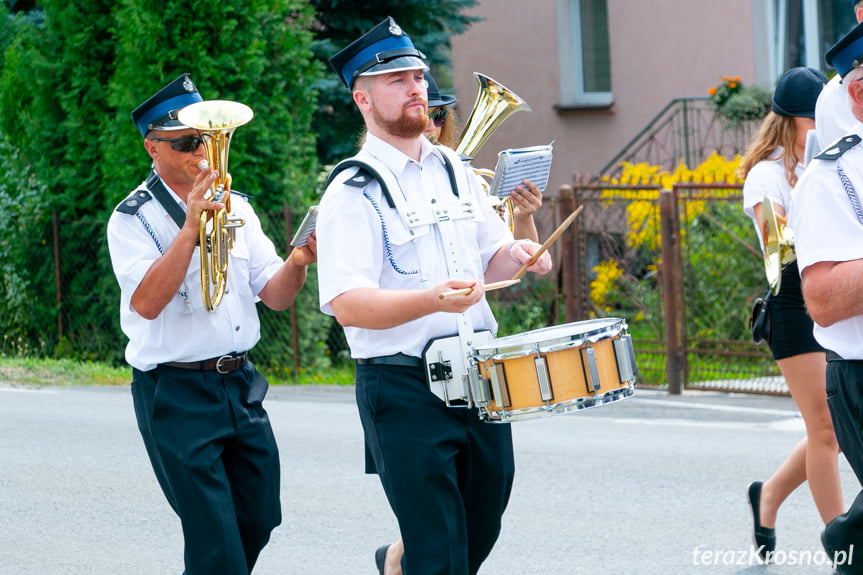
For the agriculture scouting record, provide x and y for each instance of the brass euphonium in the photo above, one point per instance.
(494, 104)
(216, 121)
(778, 241)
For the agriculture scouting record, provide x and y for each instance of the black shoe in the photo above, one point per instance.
(380, 557)
(836, 555)
(765, 537)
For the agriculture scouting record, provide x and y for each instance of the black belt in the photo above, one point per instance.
(833, 356)
(396, 359)
(223, 364)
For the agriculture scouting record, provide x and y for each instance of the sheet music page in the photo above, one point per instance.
(307, 226)
(514, 165)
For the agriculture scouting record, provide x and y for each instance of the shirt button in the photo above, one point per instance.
(237, 328)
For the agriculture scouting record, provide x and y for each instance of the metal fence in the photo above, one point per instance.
(682, 267)
(87, 303)
(686, 130)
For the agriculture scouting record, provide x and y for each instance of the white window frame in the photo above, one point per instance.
(571, 76)
(777, 19)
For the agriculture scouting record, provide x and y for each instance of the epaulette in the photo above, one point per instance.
(365, 174)
(841, 146)
(360, 180)
(131, 204)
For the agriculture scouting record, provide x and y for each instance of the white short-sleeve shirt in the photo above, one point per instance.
(767, 178)
(362, 243)
(827, 230)
(176, 335)
(833, 117)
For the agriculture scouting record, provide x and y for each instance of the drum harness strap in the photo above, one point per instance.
(157, 189)
(443, 215)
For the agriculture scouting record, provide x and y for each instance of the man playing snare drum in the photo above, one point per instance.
(384, 258)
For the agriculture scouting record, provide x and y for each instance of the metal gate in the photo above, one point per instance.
(682, 266)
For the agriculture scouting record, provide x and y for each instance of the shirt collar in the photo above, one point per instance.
(395, 159)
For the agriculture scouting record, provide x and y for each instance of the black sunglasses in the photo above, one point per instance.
(438, 117)
(186, 144)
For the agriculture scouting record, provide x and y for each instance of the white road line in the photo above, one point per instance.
(719, 407)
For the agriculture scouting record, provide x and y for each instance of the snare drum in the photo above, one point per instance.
(554, 370)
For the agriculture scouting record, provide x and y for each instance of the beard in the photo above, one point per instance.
(402, 127)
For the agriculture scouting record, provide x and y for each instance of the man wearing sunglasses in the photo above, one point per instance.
(198, 399)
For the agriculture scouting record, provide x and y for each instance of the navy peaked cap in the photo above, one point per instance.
(847, 53)
(435, 100)
(385, 48)
(160, 110)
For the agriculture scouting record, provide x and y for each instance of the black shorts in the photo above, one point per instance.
(790, 324)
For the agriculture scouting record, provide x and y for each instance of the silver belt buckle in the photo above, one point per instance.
(219, 365)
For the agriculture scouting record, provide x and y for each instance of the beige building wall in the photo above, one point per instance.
(660, 50)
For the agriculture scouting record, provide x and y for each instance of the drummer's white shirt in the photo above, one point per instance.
(352, 251)
(826, 230)
(833, 117)
(175, 335)
(767, 178)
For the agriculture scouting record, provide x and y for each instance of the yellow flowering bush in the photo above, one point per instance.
(607, 273)
(642, 209)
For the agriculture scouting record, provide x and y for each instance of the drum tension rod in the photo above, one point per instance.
(591, 372)
(542, 378)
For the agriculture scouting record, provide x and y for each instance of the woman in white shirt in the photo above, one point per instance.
(771, 167)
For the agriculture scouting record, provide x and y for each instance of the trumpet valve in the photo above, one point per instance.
(233, 221)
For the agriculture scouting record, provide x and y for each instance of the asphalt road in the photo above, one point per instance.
(655, 484)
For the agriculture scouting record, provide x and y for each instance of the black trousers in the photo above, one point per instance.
(214, 454)
(845, 400)
(447, 474)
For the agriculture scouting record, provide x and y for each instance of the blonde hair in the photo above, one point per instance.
(775, 131)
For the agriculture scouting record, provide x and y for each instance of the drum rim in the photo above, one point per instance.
(510, 343)
(560, 408)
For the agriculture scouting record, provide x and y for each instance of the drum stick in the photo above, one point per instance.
(488, 287)
(551, 239)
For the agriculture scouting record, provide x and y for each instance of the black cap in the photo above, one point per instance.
(385, 48)
(159, 112)
(797, 92)
(435, 100)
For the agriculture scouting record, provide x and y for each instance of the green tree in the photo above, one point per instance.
(255, 52)
(26, 286)
(70, 75)
(430, 24)
(68, 86)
